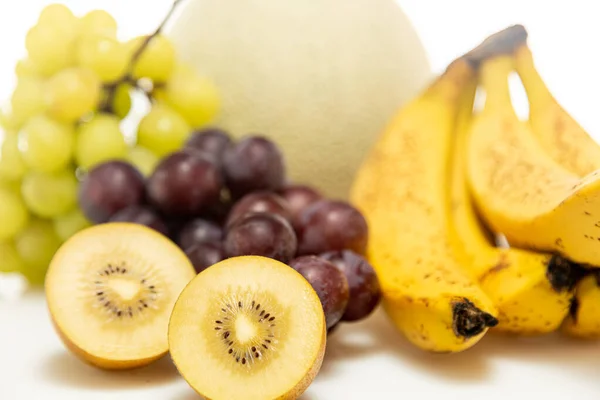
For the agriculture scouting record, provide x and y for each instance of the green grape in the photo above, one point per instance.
(73, 93)
(56, 14)
(13, 213)
(36, 245)
(162, 130)
(10, 260)
(98, 22)
(27, 99)
(50, 195)
(12, 166)
(11, 186)
(104, 55)
(193, 96)
(25, 68)
(143, 159)
(50, 48)
(7, 120)
(122, 101)
(157, 60)
(98, 140)
(159, 95)
(46, 145)
(70, 223)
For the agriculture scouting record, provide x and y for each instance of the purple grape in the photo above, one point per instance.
(218, 212)
(142, 215)
(298, 198)
(109, 188)
(211, 141)
(261, 234)
(328, 281)
(253, 164)
(328, 225)
(184, 183)
(174, 225)
(259, 202)
(365, 291)
(199, 231)
(203, 255)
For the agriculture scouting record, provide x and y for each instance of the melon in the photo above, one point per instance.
(320, 77)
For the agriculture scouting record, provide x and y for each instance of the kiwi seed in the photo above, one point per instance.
(257, 313)
(144, 283)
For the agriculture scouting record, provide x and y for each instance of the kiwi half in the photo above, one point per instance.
(248, 327)
(110, 291)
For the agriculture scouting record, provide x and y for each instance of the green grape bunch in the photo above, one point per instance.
(74, 87)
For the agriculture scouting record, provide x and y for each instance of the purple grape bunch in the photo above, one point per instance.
(219, 198)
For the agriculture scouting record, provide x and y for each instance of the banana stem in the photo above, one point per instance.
(494, 75)
(535, 87)
(501, 42)
(450, 85)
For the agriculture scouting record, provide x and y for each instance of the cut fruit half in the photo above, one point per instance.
(110, 291)
(248, 327)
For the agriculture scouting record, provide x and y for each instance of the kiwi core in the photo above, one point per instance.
(245, 329)
(126, 289)
(248, 326)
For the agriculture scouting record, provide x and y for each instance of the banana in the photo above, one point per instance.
(573, 148)
(584, 319)
(402, 189)
(519, 189)
(532, 291)
(559, 134)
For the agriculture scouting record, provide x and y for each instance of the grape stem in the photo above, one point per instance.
(128, 78)
(148, 39)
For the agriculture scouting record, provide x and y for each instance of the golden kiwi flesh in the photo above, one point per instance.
(110, 291)
(248, 327)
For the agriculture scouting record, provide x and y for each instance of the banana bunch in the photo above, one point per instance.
(441, 182)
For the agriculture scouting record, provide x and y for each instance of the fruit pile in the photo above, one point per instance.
(444, 281)
(203, 237)
(218, 198)
(74, 88)
(203, 249)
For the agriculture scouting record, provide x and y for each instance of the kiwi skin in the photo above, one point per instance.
(294, 392)
(94, 361)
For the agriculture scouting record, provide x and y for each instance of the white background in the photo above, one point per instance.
(367, 360)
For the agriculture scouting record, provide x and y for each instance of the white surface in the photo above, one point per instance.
(363, 361)
(368, 360)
